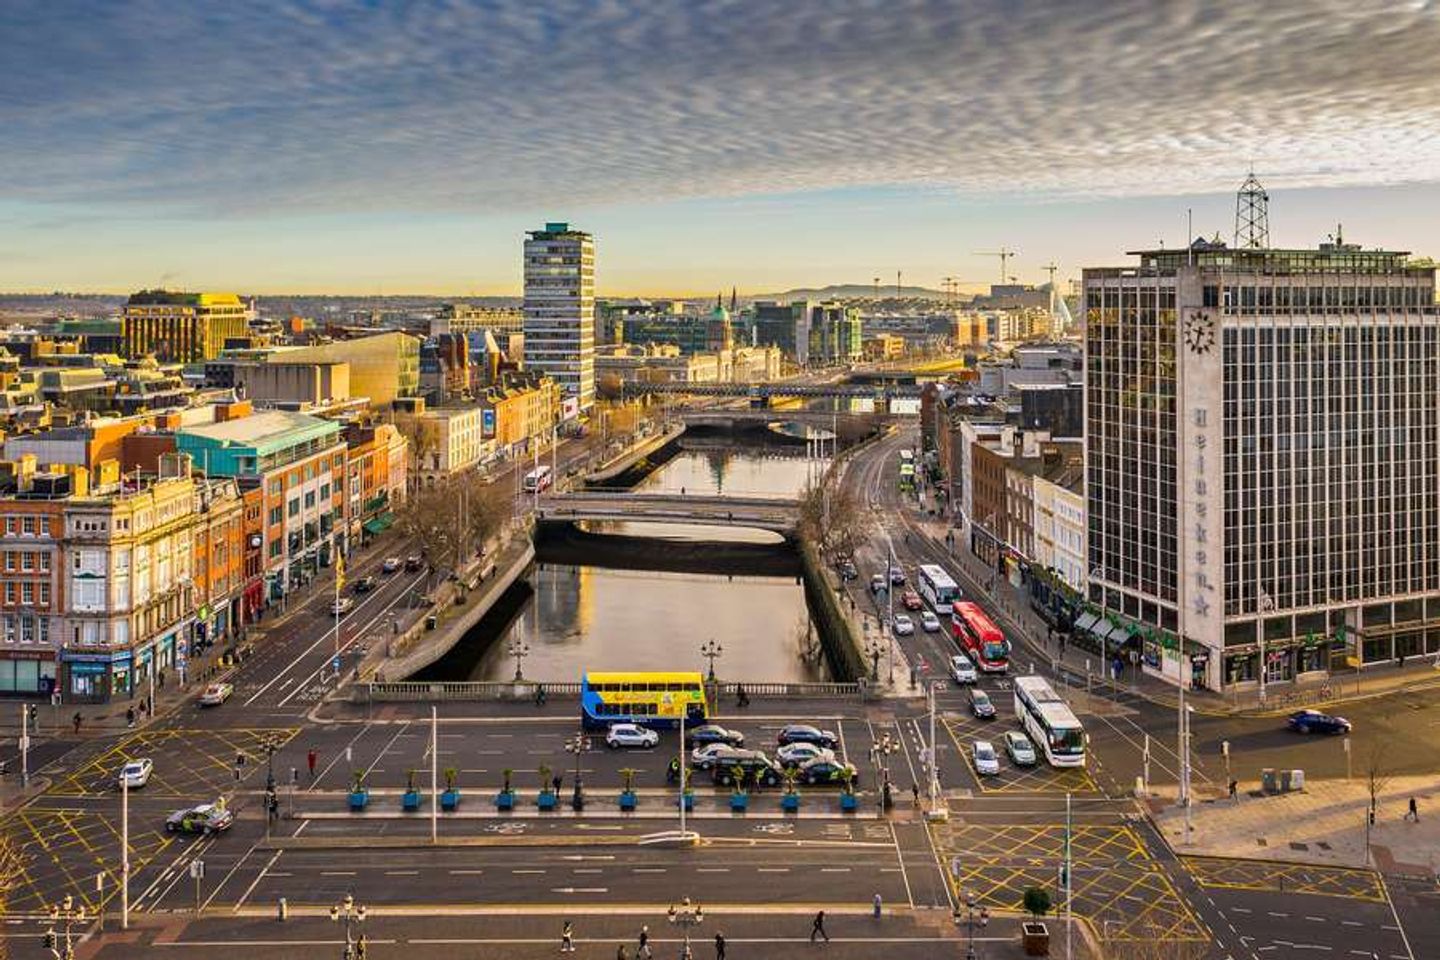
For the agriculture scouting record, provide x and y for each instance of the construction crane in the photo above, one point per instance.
(1004, 256)
(953, 285)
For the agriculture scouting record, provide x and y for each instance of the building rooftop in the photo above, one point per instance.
(177, 298)
(266, 431)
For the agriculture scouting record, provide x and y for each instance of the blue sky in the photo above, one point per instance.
(377, 147)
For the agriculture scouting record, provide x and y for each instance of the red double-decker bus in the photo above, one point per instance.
(977, 635)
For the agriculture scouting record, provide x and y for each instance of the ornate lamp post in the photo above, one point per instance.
(685, 916)
(880, 752)
(577, 744)
(518, 649)
(710, 650)
(353, 916)
(69, 913)
(974, 918)
(874, 651)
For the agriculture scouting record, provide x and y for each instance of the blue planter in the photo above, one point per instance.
(546, 800)
(849, 803)
(358, 799)
(410, 801)
(505, 800)
(450, 800)
(628, 800)
(739, 801)
(790, 802)
(688, 799)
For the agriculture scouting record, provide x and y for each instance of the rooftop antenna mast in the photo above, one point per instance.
(1004, 256)
(1050, 268)
(1252, 215)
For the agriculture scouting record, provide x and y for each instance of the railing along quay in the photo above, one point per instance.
(410, 691)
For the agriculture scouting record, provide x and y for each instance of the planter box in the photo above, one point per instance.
(358, 799)
(505, 800)
(410, 801)
(1035, 938)
(849, 803)
(546, 800)
(790, 802)
(739, 801)
(450, 800)
(688, 800)
(628, 801)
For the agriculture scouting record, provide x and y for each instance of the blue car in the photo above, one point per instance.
(804, 733)
(1313, 721)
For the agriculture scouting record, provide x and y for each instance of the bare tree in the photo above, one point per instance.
(833, 515)
(1377, 778)
(454, 519)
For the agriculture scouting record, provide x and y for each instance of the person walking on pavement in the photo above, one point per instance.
(817, 929)
(1233, 786)
(915, 791)
(643, 951)
(1413, 813)
(555, 782)
(77, 720)
(719, 945)
(310, 758)
(567, 938)
(129, 716)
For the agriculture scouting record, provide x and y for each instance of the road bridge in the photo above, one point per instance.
(777, 515)
(713, 416)
(764, 391)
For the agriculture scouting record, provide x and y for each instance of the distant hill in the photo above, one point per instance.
(848, 291)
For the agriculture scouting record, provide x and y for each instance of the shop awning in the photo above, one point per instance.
(378, 525)
(1115, 634)
(1086, 621)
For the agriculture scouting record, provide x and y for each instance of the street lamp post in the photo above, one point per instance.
(577, 744)
(874, 651)
(69, 913)
(518, 649)
(710, 650)
(880, 752)
(1099, 574)
(352, 915)
(1266, 605)
(974, 918)
(685, 916)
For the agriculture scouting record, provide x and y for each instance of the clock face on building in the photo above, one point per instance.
(1200, 332)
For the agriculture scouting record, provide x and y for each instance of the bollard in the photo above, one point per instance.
(1139, 786)
(282, 910)
(877, 906)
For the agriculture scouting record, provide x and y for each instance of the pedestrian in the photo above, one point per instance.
(817, 929)
(77, 720)
(567, 938)
(621, 953)
(643, 951)
(1233, 786)
(556, 781)
(129, 716)
(1401, 658)
(877, 906)
(719, 945)
(1414, 812)
(915, 791)
(161, 677)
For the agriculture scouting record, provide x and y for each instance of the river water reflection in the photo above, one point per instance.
(592, 618)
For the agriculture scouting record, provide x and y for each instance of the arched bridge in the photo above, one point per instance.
(776, 515)
(779, 388)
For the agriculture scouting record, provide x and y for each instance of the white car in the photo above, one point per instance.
(707, 756)
(904, 626)
(341, 607)
(390, 565)
(135, 773)
(215, 694)
(962, 670)
(794, 754)
(987, 762)
(630, 735)
(929, 622)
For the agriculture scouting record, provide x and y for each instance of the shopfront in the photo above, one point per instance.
(96, 677)
(27, 673)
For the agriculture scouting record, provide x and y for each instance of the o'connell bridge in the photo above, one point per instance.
(779, 516)
(764, 391)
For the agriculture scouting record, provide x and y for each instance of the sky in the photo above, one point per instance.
(373, 147)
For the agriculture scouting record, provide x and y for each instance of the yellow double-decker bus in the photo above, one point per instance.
(656, 700)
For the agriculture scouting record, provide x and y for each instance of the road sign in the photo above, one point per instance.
(197, 869)
(955, 867)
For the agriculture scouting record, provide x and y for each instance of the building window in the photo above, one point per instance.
(44, 594)
(27, 561)
(276, 514)
(295, 507)
(27, 593)
(45, 562)
(29, 526)
(10, 592)
(10, 526)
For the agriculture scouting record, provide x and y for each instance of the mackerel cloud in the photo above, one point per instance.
(243, 108)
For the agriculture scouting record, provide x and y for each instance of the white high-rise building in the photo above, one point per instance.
(560, 309)
(1262, 470)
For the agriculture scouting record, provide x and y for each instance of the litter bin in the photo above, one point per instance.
(1297, 779)
(1284, 781)
(1267, 780)
(282, 909)
(430, 622)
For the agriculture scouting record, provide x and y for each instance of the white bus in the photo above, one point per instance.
(537, 480)
(1049, 722)
(938, 588)
(907, 456)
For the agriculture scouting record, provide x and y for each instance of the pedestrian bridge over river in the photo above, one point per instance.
(777, 515)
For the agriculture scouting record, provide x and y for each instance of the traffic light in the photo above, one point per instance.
(34, 715)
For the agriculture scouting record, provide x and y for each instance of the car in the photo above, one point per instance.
(630, 735)
(1313, 721)
(713, 733)
(980, 704)
(341, 606)
(135, 773)
(707, 756)
(804, 733)
(795, 754)
(1019, 749)
(413, 563)
(848, 571)
(823, 770)
(364, 585)
(962, 670)
(929, 622)
(878, 583)
(903, 626)
(897, 577)
(747, 766)
(205, 819)
(911, 600)
(215, 694)
(390, 565)
(987, 763)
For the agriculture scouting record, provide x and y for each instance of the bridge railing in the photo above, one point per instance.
(411, 691)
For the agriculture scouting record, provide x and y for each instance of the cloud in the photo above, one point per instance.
(238, 109)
